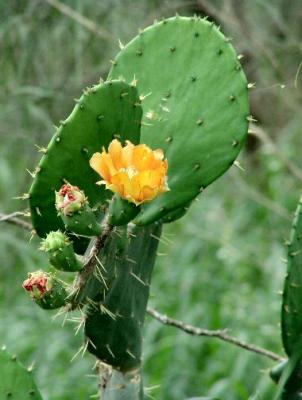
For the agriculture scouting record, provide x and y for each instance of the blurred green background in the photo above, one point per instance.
(222, 266)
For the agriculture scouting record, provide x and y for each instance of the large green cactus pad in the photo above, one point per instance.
(291, 314)
(16, 381)
(196, 104)
(114, 327)
(103, 112)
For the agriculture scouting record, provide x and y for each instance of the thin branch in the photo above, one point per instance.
(79, 18)
(219, 334)
(14, 220)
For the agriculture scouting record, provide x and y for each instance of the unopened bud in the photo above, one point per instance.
(55, 241)
(70, 199)
(61, 252)
(45, 290)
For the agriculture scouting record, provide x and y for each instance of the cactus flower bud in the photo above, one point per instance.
(61, 252)
(55, 241)
(45, 290)
(75, 212)
(70, 199)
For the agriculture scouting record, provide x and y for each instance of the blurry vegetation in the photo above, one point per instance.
(222, 265)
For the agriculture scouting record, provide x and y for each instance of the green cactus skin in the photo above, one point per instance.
(65, 259)
(82, 222)
(114, 326)
(121, 211)
(61, 252)
(105, 273)
(175, 214)
(291, 313)
(195, 106)
(276, 372)
(54, 299)
(54, 294)
(119, 386)
(290, 381)
(16, 381)
(291, 385)
(104, 112)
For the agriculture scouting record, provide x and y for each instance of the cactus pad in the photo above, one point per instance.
(114, 329)
(195, 104)
(16, 381)
(103, 112)
(291, 315)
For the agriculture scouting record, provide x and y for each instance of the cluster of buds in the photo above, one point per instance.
(136, 174)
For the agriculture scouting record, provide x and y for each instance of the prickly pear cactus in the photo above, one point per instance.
(195, 104)
(291, 312)
(105, 111)
(16, 381)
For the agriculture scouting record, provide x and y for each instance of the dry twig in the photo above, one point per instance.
(219, 334)
(14, 220)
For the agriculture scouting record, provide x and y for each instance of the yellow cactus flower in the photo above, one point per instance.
(137, 173)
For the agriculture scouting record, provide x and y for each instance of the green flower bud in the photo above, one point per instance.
(54, 241)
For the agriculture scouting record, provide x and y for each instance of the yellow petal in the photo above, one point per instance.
(114, 151)
(97, 163)
(136, 173)
(126, 156)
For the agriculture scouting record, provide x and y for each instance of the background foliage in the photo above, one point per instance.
(219, 267)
